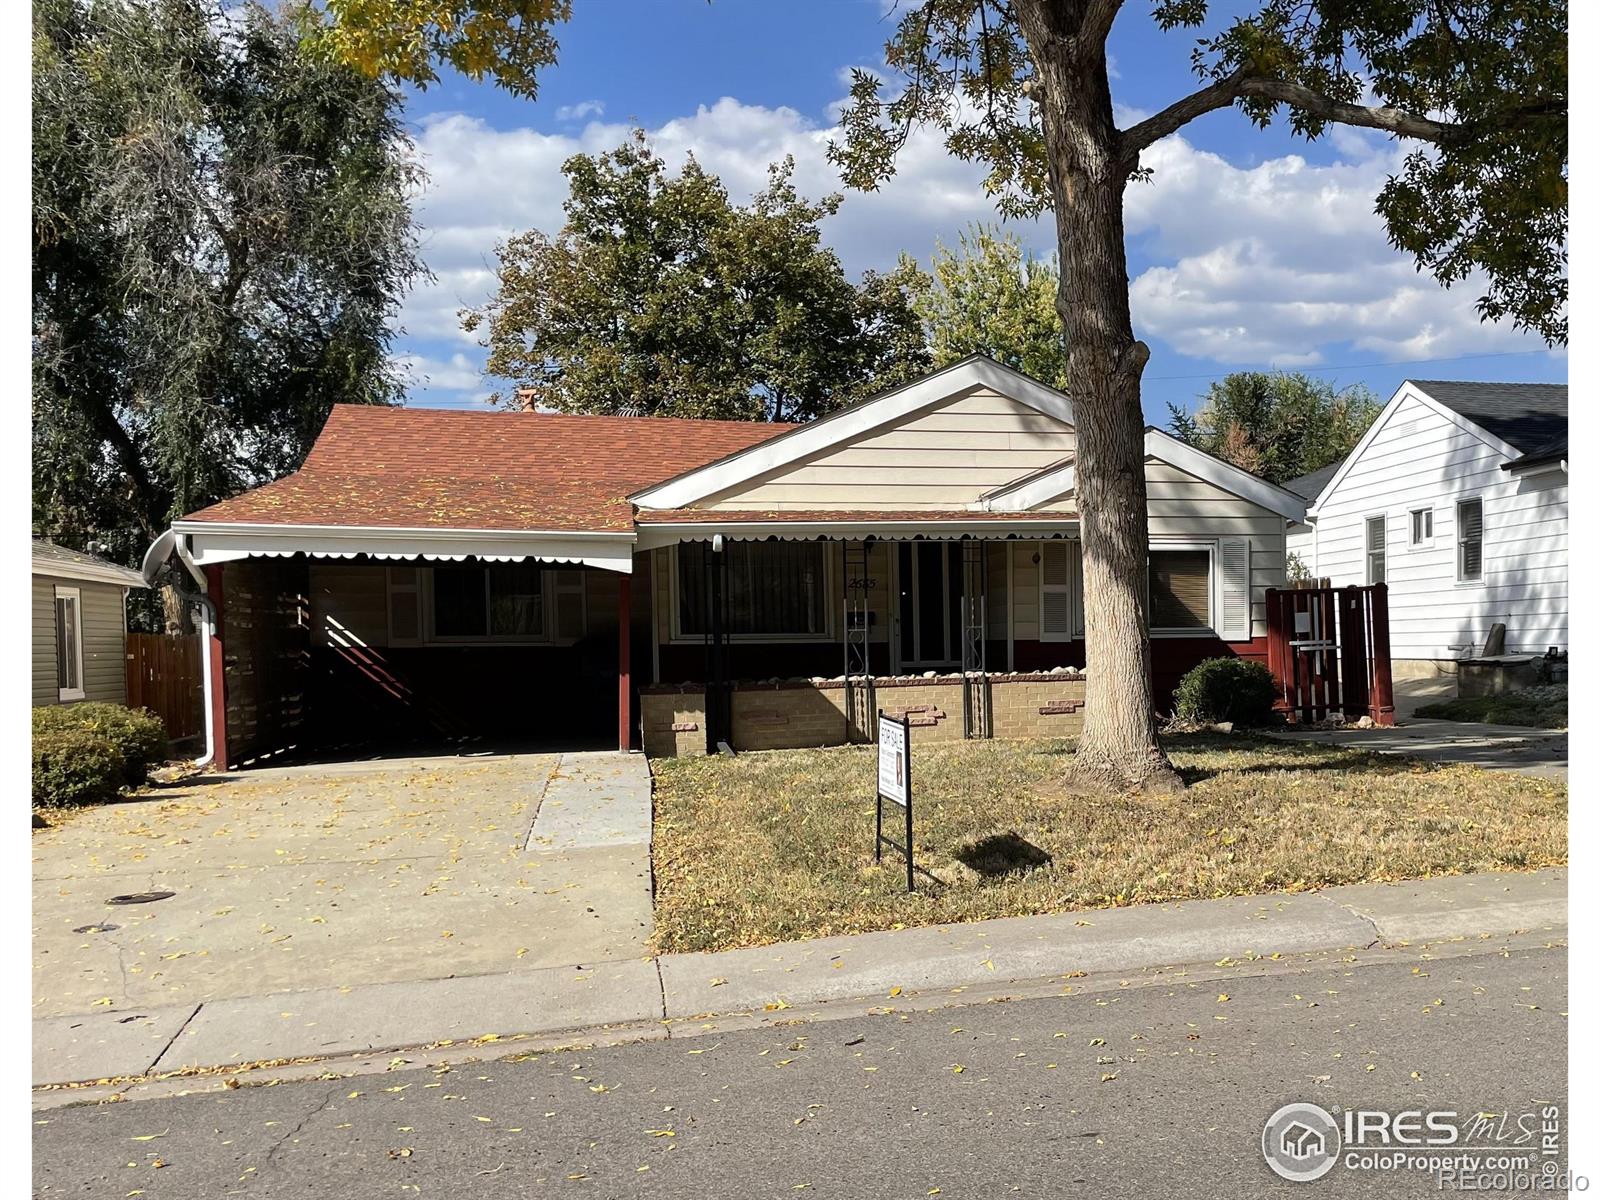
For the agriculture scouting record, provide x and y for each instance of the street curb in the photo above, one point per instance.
(606, 999)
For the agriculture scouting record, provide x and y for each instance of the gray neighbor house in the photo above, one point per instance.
(79, 626)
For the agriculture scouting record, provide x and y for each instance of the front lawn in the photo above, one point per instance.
(1540, 708)
(776, 846)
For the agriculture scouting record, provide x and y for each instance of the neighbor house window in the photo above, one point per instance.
(1377, 550)
(770, 589)
(1469, 540)
(69, 644)
(1180, 589)
(501, 601)
(1421, 526)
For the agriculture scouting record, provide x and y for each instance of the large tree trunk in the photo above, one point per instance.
(1119, 746)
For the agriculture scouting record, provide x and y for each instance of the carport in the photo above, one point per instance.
(326, 638)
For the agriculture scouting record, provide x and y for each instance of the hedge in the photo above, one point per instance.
(138, 736)
(75, 766)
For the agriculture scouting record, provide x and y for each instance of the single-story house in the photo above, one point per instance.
(79, 626)
(690, 582)
(1456, 498)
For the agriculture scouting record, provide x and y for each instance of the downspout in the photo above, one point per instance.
(155, 558)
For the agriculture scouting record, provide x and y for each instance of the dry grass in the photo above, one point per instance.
(776, 846)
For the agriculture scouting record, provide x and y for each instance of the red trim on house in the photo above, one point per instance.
(219, 677)
(624, 655)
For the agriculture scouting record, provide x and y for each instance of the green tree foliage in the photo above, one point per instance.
(1277, 425)
(221, 235)
(661, 296)
(987, 295)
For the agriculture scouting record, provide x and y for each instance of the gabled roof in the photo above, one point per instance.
(803, 441)
(1040, 487)
(61, 563)
(1515, 419)
(420, 468)
(1525, 415)
(1309, 486)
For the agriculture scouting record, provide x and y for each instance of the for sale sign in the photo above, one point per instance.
(894, 759)
(894, 785)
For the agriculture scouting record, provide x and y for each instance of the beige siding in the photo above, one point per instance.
(1181, 508)
(104, 667)
(944, 457)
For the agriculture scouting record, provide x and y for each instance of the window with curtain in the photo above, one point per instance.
(1469, 540)
(771, 589)
(1180, 589)
(501, 600)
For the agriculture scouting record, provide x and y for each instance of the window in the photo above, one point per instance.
(1469, 540)
(1180, 589)
(770, 589)
(69, 644)
(1421, 526)
(500, 601)
(1377, 544)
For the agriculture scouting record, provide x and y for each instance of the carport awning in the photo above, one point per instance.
(211, 542)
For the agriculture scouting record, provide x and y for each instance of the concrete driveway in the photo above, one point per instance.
(335, 876)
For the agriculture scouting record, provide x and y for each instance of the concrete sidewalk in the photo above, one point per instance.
(1541, 752)
(642, 997)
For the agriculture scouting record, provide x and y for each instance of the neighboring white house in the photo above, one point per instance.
(1457, 499)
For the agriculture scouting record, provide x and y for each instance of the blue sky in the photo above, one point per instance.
(1250, 249)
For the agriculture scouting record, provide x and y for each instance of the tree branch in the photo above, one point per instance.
(1097, 21)
(1241, 84)
(1175, 116)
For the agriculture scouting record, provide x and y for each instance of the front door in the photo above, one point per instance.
(929, 605)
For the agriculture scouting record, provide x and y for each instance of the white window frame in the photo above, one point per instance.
(1366, 546)
(832, 600)
(1213, 588)
(1414, 541)
(1483, 541)
(432, 638)
(76, 596)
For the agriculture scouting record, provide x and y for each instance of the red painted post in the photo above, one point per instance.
(624, 648)
(1382, 710)
(218, 716)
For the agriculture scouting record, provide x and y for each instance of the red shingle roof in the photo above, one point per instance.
(813, 516)
(433, 468)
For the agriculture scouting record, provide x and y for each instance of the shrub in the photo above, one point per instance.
(138, 736)
(1227, 689)
(75, 766)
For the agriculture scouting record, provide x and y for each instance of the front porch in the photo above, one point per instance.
(758, 642)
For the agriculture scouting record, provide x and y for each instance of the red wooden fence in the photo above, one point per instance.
(164, 676)
(1328, 650)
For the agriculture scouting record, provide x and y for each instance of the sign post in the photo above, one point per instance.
(894, 785)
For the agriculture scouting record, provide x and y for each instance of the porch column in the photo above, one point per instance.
(218, 716)
(624, 653)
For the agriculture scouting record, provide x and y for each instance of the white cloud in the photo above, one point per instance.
(1272, 263)
(581, 111)
(1267, 263)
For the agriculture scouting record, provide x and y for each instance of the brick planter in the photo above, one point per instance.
(795, 713)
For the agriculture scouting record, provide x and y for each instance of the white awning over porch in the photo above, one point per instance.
(211, 542)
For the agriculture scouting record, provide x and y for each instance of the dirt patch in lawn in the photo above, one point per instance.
(777, 846)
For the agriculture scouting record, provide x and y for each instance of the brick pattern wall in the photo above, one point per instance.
(1038, 706)
(791, 715)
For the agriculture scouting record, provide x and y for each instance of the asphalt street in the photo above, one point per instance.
(1156, 1087)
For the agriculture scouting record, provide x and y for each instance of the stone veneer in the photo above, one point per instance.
(794, 713)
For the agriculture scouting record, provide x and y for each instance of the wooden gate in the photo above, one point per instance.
(1328, 649)
(163, 674)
